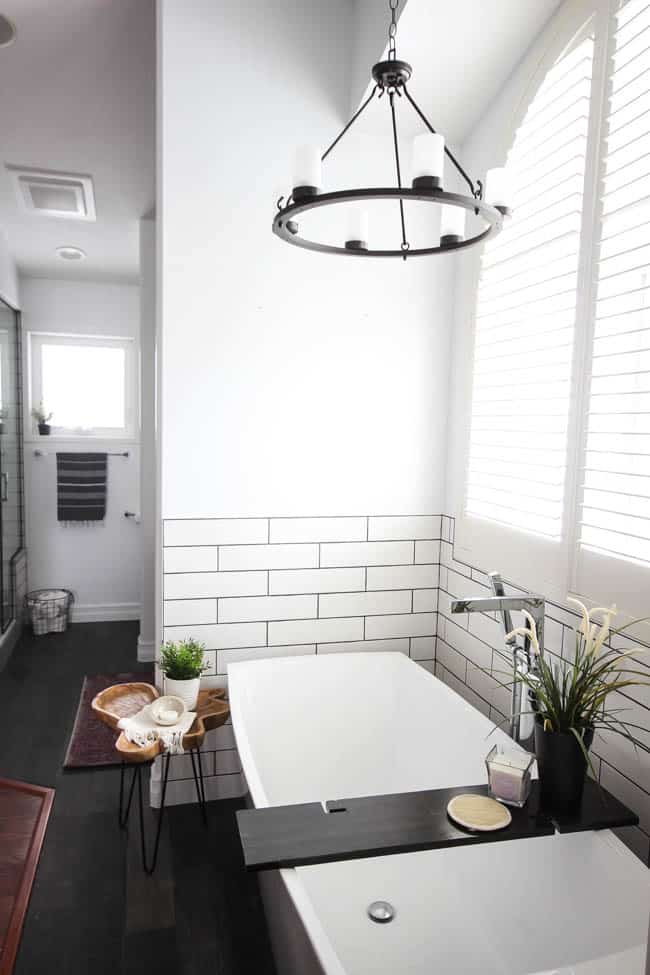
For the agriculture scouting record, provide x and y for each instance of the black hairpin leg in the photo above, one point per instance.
(198, 781)
(124, 812)
(149, 867)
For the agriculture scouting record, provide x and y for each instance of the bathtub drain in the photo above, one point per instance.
(381, 911)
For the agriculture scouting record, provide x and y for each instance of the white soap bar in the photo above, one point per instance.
(167, 715)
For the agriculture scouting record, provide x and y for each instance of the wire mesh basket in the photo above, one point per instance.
(48, 610)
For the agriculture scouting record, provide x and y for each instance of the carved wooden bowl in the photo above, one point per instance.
(123, 700)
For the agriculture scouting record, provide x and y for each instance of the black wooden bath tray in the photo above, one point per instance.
(298, 835)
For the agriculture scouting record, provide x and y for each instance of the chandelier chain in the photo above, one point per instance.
(392, 30)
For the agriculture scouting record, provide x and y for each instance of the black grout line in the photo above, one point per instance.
(292, 595)
(309, 568)
(604, 761)
(295, 517)
(314, 541)
(304, 619)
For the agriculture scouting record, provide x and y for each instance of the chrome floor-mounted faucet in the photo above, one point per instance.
(522, 659)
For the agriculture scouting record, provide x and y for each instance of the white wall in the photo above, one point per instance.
(9, 291)
(148, 480)
(100, 564)
(292, 383)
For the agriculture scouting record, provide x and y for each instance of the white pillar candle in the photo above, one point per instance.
(307, 169)
(496, 187)
(357, 225)
(452, 222)
(428, 155)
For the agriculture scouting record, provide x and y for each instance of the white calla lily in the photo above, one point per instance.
(586, 621)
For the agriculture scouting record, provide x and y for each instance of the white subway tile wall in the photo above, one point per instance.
(470, 658)
(264, 587)
(268, 587)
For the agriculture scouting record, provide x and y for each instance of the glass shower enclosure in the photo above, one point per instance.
(11, 462)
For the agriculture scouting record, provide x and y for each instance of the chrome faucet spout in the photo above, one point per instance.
(532, 604)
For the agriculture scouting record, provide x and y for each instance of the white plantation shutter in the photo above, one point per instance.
(526, 315)
(616, 501)
(557, 485)
(615, 504)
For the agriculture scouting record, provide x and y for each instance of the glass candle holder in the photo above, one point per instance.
(509, 775)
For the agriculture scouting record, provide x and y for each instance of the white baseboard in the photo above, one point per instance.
(104, 612)
(146, 650)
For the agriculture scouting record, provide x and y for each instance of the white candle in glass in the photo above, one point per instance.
(307, 169)
(496, 187)
(428, 155)
(452, 222)
(357, 225)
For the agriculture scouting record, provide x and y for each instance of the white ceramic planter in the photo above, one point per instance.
(187, 690)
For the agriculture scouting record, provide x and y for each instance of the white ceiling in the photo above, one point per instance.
(78, 95)
(462, 53)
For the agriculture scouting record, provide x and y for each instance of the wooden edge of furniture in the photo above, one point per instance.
(21, 902)
(212, 711)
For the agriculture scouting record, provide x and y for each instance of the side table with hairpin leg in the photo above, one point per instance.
(124, 700)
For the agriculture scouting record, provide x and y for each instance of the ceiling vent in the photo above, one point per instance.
(51, 194)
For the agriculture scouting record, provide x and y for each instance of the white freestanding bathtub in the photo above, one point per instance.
(342, 725)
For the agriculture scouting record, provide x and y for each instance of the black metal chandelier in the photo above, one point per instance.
(429, 149)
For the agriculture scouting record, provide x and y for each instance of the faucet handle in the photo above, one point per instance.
(498, 589)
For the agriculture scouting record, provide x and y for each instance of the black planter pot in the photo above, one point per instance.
(562, 767)
(44, 429)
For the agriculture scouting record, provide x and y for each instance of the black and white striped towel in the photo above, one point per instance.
(81, 487)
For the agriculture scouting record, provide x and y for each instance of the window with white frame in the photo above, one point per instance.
(557, 474)
(87, 383)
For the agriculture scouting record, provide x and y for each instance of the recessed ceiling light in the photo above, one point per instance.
(7, 31)
(71, 253)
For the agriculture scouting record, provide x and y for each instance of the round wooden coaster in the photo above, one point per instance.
(478, 813)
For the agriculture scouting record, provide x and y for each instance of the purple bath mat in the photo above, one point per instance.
(92, 744)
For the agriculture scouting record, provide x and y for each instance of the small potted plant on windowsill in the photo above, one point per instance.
(182, 664)
(42, 419)
(572, 703)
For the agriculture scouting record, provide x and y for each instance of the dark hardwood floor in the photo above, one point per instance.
(92, 908)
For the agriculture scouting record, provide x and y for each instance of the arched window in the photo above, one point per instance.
(526, 313)
(557, 476)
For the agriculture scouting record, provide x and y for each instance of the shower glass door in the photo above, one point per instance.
(11, 505)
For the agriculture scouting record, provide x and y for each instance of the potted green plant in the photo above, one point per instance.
(572, 703)
(182, 663)
(42, 419)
